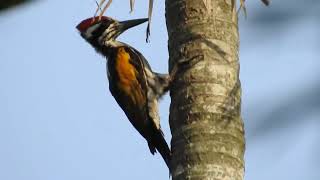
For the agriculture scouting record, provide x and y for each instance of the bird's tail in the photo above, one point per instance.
(159, 143)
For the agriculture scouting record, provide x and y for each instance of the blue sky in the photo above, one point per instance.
(59, 121)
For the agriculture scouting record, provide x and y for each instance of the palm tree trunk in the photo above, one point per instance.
(207, 129)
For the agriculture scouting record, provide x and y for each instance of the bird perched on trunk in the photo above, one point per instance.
(132, 83)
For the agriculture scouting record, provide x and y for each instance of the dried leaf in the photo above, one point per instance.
(243, 7)
(266, 2)
(149, 18)
(131, 9)
(99, 7)
(105, 8)
(131, 5)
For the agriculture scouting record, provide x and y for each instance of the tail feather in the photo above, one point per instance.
(162, 147)
(152, 148)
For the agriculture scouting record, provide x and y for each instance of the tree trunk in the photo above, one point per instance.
(207, 129)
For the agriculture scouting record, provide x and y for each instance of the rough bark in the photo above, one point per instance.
(205, 119)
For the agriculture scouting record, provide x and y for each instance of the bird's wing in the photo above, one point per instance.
(148, 78)
(129, 88)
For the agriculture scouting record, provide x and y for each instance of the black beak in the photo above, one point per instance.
(124, 25)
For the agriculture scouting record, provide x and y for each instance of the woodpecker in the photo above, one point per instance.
(133, 84)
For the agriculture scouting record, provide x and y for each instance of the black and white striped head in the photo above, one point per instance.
(104, 31)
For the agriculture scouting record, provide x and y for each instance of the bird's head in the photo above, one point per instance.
(104, 31)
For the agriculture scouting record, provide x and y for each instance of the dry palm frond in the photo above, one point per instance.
(266, 2)
(243, 7)
(149, 17)
(104, 8)
(98, 7)
(131, 9)
(131, 5)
